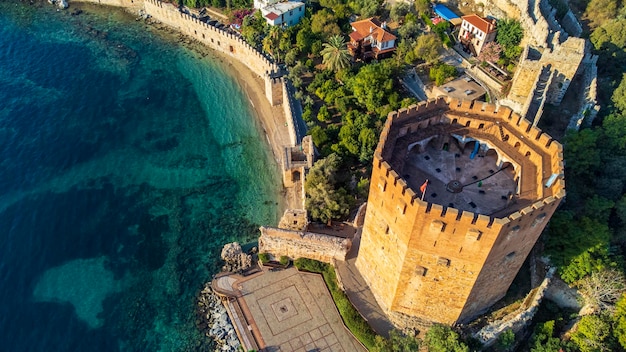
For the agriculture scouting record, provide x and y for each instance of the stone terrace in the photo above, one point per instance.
(287, 310)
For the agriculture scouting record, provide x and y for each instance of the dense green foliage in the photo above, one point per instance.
(441, 338)
(264, 257)
(440, 73)
(509, 36)
(325, 198)
(351, 317)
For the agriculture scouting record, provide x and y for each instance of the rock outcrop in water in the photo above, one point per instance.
(214, 321)
(235, 259)
(62, 4)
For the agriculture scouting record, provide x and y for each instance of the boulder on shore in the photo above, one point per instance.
(234, 257)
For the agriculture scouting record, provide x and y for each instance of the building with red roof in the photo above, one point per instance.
(370, 40)
(476, 31)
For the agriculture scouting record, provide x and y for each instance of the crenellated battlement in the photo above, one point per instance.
(221, 40)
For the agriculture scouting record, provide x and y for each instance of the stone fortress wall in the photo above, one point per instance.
(302, 244)
(556, 56)
(424, 260)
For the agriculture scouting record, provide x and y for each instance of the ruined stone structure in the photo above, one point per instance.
(494, 182)
(302, 244)
(553, 56)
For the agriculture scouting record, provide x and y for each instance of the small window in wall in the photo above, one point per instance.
(539, 219)
(481, 126)
(218, 43)
(420, 271)
(473, 234)
(212, 41)
(443, 261)
(382, 185)
(437, 226)
(467, 124)
(386, 230)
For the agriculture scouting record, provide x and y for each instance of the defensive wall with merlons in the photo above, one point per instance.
(427, 262)
(223, 41)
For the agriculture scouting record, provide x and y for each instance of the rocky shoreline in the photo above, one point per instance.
(213, 320)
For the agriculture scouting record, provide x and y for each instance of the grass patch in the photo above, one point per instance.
(351, 317)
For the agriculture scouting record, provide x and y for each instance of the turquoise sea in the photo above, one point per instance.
(126, 162)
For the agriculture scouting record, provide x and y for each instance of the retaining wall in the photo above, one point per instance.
(299, 244)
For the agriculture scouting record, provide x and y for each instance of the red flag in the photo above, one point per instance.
(423, 187)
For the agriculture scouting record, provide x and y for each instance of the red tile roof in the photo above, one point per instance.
(484, 25)
(370, 26)
(271, 16)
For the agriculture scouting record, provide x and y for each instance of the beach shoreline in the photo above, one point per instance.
(271, 119)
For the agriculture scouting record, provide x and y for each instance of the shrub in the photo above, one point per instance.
(264, 257)
(284, 260)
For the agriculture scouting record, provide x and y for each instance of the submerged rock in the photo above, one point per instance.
(62, 4)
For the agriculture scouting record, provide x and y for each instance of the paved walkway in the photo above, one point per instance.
(359, 293)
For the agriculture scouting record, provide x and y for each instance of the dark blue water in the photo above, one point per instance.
(126, 162)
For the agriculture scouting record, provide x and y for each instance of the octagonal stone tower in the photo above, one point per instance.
(494, 181)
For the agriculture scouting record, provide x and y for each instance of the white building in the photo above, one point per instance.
(280, 13)
(476, 31)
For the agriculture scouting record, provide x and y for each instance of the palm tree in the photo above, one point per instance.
(335, 55)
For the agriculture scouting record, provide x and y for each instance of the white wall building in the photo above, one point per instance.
(281, 13)
(476, 31)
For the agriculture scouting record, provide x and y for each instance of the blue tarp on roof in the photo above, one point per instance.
(444, 12)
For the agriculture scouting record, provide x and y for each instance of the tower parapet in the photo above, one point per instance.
(460, 192)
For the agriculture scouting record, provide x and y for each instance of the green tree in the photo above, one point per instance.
(399, 10)
(601, 11)
(366, 8)
(441, 72)
(581, 153)
(410, 29)
(325, 200)
(543, 339)
(610, 41)
(323, 114)
(509, 35)
(335, 55)
(304, 38)
(506, 340)
(324, 23)
(592, 334)
(619, 94)
(372, 85)
(428, 48)
(397, 342)
(619, 321)
(578, 246)
(422, 7)
(441, 338)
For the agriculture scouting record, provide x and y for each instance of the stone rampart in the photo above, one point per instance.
(300, 244)
(518, 320)
(290, 117)
(589, 107)
(571, 24)
(215, 38)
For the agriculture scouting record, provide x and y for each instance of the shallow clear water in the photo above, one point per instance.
(126, 162)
